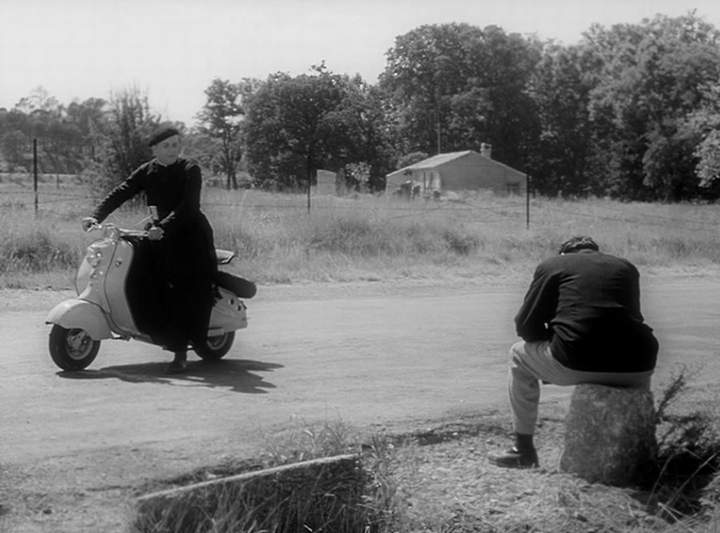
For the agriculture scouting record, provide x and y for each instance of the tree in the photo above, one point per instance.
(67, 136)
(366, 150)
(560, 88)
(222, 119)
(651, 81)
(425, 68)
(59, 143)
(705, 122)
(205, 149)
(14, 148)
(297, 125)
(38, 100)
(130, 124)
(454, 86)
(410, 159)
(90, 118)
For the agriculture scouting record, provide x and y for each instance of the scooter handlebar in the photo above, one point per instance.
(111, 230)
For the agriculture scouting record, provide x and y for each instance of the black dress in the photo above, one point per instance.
(185, 256)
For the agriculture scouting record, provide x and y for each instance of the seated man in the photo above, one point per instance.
(580, 323)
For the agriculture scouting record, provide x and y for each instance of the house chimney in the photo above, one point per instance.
(486, 150)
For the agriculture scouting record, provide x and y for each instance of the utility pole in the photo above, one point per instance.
(308, 195)
(437, 127)
(35, 175)
(527, 201)
(309, 183)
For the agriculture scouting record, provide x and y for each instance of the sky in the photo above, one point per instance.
(171, 50)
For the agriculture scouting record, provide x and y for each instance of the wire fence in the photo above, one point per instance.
(67, 193)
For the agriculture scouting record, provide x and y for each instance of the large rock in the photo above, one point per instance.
(609, 434)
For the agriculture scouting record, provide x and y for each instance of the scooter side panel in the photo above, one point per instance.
(81, 314)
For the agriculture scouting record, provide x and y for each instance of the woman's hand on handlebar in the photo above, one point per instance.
(155, 233)
(88, 222)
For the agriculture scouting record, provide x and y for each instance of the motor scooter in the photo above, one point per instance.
(113, 285)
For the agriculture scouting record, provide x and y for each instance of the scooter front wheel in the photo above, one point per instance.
(215, 347)
(72, 349)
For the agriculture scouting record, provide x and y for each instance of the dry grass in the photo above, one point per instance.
(440, 481)
(318, 496)
(367, 237)
(451, 487)
(349, 496)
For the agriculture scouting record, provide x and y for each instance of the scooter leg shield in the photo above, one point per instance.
(81, 314)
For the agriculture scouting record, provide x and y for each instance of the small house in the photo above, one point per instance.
(456, 171)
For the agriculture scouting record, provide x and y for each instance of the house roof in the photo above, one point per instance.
(440, 159)
(437, 160)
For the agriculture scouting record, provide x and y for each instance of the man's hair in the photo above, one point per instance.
(575, 244)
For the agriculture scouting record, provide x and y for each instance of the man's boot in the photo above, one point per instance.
(521, 455)
(179, 363)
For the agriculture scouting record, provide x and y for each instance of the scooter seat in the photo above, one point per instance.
(224, 256)
(241, 287)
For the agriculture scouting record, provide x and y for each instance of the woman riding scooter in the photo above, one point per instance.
(183, 248)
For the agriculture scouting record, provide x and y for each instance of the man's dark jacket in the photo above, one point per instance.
(587, 304)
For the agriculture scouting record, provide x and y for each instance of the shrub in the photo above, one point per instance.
(688, 453)
(36, 251)
(342, 500)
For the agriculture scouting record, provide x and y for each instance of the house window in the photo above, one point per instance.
(435, 181)
(513, 188)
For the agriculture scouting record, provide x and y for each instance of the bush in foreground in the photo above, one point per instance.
(348, 494)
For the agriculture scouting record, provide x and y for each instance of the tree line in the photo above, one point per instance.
(631, 111)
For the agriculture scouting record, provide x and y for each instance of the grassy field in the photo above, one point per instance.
(364, 237)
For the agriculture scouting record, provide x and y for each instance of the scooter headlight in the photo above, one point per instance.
(93, 257)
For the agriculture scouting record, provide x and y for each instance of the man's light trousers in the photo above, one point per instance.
(532, 362)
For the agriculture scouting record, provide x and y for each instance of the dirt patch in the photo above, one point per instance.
(451, 486)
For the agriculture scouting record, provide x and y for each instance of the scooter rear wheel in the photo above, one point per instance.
(215, 347)
(72, 349)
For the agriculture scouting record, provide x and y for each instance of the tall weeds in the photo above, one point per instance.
(688, 457)
(36, 250)
(278, 240)
(363, 498)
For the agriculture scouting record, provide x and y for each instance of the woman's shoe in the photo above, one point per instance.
(176, 367)
(179, 364)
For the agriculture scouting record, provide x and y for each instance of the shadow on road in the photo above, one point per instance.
(236, 375)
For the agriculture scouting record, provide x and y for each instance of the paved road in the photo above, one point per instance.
(380, 357)
(361, 359)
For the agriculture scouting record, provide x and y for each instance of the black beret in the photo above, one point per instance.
(162, 133)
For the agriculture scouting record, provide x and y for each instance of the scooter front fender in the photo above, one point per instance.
(81, 314)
